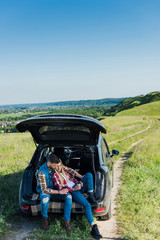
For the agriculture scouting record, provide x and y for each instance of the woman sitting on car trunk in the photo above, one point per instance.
(63, 180)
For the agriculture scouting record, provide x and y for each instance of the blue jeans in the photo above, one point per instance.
(45, 199)
(87, 183)
(79, 198)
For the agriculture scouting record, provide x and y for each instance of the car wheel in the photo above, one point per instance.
(108, 215)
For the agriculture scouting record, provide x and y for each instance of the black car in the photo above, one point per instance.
(77, 140)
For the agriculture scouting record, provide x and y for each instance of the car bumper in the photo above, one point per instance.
(33, 207)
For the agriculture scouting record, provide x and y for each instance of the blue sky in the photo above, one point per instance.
(56, 50)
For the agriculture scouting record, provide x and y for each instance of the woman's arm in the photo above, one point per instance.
(70, 170)
(73, 172)
(78, 175)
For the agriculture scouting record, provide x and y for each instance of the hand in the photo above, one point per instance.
(77, 187)
(81, 184)
(63, 191)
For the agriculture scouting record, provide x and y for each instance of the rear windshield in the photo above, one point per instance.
(45, 130)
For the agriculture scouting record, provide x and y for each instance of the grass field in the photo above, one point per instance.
(150, 109)
(139, 196)
(16, 152)
(121, 127)
(139, 199)
(138, 210)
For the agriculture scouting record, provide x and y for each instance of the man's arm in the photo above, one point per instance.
(43, 184)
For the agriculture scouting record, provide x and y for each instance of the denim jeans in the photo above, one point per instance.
(79, 198)
(87, 183)
(45, 198)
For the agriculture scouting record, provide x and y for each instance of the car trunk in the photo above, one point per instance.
(83, 159)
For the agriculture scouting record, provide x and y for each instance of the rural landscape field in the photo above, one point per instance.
(138, 199)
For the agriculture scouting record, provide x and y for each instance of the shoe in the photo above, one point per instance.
(67, 225)
(44, 223)
(95, 232)
(91, 199)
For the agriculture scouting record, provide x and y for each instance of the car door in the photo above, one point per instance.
(106, 164)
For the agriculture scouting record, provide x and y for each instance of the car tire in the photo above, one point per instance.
(108, 215)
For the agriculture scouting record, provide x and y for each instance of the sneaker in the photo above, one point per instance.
(95, 232)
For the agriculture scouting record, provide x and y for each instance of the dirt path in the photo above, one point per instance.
(22, 228)
(109, 228)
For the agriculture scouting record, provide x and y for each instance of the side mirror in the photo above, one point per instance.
(114, 152)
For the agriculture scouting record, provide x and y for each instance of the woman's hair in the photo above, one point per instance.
(54, 159)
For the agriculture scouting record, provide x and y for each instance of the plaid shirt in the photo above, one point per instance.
(42, 180)
(57, 182)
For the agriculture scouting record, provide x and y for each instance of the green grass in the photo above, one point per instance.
(138, 210)
(16, 152)
(121, 127)
(118, 136)
(149, 109)
(139, 196)
(81, 229)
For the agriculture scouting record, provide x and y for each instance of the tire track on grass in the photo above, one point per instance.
(122, 139)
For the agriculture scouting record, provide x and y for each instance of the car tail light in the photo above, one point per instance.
(26, 207)
(102, 209)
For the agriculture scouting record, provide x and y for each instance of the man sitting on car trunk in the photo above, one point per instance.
(46, 189)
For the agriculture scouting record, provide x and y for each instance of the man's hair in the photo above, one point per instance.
(53, 158)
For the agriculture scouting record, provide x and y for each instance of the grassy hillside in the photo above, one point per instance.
(119, 127)
(139, 198)
(150, 109)
(133, 102)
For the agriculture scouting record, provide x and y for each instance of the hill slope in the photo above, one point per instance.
(149, 109)
(133, 102)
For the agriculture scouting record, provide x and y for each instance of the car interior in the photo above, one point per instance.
(83, 159)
